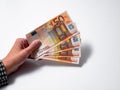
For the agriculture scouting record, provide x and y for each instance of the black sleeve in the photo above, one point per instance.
(3, 75)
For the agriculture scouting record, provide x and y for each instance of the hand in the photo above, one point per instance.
(18, 54)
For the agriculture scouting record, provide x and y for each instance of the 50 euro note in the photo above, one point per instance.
(52, 33)
(67, 59)
(68, 55)
(69, 47)
(74, 51)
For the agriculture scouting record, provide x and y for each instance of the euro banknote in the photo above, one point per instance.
(52, 33)
(70, 55)
(71, 60)
(75, 41)
(74, 51)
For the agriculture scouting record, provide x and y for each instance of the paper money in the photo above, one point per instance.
(72, 60)
(52, 33)
(60, 40)
(75, 41)
(75, 51)
(69, 56)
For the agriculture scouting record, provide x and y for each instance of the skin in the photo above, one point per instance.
(18, 54)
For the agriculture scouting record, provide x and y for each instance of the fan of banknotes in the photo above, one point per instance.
(60, 40)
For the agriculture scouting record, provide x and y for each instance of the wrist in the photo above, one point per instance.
(8, 65)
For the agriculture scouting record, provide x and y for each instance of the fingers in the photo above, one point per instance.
(25, 44)
(33, 46)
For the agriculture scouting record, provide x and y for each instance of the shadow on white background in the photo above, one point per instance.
(30, 66)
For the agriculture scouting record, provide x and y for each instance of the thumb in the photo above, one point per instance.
(33, 46)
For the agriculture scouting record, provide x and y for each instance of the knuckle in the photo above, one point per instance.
(18, 39)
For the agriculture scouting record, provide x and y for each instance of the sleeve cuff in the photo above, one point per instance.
(3, 75)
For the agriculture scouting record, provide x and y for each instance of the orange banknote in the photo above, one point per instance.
(52, 33)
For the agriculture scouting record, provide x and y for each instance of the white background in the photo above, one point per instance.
(99, 24)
